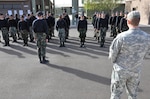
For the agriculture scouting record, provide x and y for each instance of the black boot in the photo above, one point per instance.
(81, 44)
(44, 60)
(40, 59)
(63, 44)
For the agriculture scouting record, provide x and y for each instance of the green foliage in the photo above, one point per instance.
(100, 5)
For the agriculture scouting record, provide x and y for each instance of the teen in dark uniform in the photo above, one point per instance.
(51, 24)
(123, 23)
(18, 33)
(111, 25)
(61, 27)
(31, 19)
(12, 27)
(40, 29)
(24, 30)
(67, 19)
(97, 26)
(82, 28)
(4, 29)
(103, 29)
(114, 31)
(118, 19)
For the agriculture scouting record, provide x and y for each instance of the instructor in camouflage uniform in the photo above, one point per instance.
(127, 52)
(40, 29)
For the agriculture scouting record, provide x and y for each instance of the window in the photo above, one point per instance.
(7, 6)
(1, 6)
(16, 6)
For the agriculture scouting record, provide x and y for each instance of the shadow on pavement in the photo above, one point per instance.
(82, 74)
(12, 52)
(23, 49)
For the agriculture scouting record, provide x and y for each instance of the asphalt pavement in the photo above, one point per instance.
(72, 72)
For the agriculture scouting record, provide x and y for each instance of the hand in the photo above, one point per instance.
(46, 40)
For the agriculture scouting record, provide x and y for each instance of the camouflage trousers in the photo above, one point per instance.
(124, 79)
(67, 33)
(50, 33)
(13, 31)
(96, 34)
(114, 31)
(24, 34)
(103, 31)
(111, 30)
(41, 43)
(62, 35)
(31, 33)
(5, 35)
(82, 34)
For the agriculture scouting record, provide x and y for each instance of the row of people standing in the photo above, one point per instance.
(100, 23)
(118, 23)
(12, 27)
(17, 28)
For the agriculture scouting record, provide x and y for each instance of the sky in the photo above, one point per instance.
(64, 3)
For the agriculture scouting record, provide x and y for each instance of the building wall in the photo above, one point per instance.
(23, 6)
(15, 6)
(143, 6)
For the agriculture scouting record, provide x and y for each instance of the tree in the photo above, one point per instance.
(100, 5)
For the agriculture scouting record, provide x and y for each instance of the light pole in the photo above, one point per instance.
(75, 7)
(54, 7)
(34, 6)
(43, 6)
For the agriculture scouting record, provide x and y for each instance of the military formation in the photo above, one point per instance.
(29, 27)
(126, 52)
(39, 29)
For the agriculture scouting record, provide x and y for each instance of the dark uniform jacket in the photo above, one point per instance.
(51, 21)
(12, 23)
(123, 24)
(82, 25)
(61, 23)
(40, 26)
(31, 19)
(23, 25)
(104, 23)
(3, 23)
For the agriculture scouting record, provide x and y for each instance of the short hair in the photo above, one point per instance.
(39, 13)
(22, 16)
(134, 17)
(1, 14)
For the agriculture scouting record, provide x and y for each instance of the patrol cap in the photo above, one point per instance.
(40, 13)
(133, 15)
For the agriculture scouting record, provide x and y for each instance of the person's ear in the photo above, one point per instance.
(128, 21)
